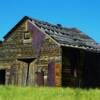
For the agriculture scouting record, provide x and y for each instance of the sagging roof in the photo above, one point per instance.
(70, 37)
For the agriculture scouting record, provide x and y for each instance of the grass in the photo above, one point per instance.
(37, 93)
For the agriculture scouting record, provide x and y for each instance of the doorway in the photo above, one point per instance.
(2, 77)
(71, 69)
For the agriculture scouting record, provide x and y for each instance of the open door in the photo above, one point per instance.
(2, 77)
(71, 67)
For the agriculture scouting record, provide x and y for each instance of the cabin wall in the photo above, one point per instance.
(46, 52)
(18, 74)
(44, 70)
(17, 35)
(17, 45)
(50, 58)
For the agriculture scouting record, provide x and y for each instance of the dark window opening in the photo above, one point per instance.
(27, 35)
(2, 77)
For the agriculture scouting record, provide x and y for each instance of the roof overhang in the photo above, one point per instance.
(26, 59)
(82, 48)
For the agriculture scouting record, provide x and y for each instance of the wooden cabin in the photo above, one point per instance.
(37, 53)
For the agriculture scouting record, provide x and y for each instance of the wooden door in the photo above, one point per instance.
(54, 74)
(40, 78)
(51, 74)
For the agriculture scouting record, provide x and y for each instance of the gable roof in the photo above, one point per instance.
(17, 25)
(70, 37)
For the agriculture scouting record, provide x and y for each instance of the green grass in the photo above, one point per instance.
(37, 93)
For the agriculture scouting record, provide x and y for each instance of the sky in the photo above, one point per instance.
(82, 14)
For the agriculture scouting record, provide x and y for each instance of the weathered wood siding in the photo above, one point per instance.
(27, 41)
(16, 46)
(46, 50)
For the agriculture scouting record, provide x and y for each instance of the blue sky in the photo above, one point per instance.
(82, 14)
